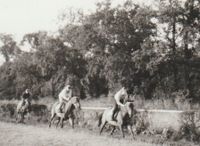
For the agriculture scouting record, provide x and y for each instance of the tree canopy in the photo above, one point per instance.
(108, 48)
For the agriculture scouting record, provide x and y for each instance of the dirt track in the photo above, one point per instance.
(28, 135)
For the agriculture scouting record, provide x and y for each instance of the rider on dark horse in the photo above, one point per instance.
(26, 97)
(25, 104)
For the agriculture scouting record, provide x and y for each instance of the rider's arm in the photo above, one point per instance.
(30, 94)
(22, 96)
(66, 98)
(119, 103)
(68, 95)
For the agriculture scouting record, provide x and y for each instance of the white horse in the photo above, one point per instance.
(123, 118)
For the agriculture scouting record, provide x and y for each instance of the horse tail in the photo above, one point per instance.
(100, 119)
(53, 110)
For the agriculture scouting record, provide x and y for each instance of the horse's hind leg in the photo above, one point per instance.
(71, 121)
(102, 126)
(52, 117)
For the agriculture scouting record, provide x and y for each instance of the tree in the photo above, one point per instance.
(9, 47)
(111, 36)
(168, 14)
(189, 19)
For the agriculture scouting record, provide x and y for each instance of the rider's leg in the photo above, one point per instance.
(114, 111)
(60, 114)
(26, 102)
(61, 102)
(60, 107)
(23, 102)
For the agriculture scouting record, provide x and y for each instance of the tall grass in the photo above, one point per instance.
(177, 103)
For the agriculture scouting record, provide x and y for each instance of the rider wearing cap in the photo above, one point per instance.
(26, 97)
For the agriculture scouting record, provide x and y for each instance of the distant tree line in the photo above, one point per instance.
(153, 52)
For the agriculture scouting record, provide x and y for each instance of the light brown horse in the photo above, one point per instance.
(123, 118)
(23, 108)
(67, 111)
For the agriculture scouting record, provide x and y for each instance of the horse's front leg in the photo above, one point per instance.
(62, 122)
(71, 121)
(21, 118)
(111, 133)
(29, 115)
(122, 131)
(58, 122)
(131, 131)
(18, 118)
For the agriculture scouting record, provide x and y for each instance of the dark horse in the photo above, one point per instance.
(23, 108)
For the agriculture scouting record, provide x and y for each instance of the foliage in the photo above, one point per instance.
(8, 47)
(108, 48)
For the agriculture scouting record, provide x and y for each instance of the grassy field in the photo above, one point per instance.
(35, 132)
(28, 135)
(13, 134)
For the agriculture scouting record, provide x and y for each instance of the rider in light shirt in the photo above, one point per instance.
(64, 96)
(120, 99)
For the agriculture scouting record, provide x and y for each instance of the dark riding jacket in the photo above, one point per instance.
(26, 95)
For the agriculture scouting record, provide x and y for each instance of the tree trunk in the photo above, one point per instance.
(174, 51)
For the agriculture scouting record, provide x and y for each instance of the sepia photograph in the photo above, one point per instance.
(99, 72)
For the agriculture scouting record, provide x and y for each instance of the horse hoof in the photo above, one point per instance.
(133, 138)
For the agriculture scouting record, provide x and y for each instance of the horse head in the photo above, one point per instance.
(123, 92)
(76, 102)
(130, 108)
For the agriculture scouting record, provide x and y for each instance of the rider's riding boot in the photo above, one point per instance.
(23, 102)
(60, 108)
(114, 115)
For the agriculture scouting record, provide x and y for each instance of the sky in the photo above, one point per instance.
(19, 17)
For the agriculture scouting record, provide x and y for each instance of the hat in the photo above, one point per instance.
(68, 86)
